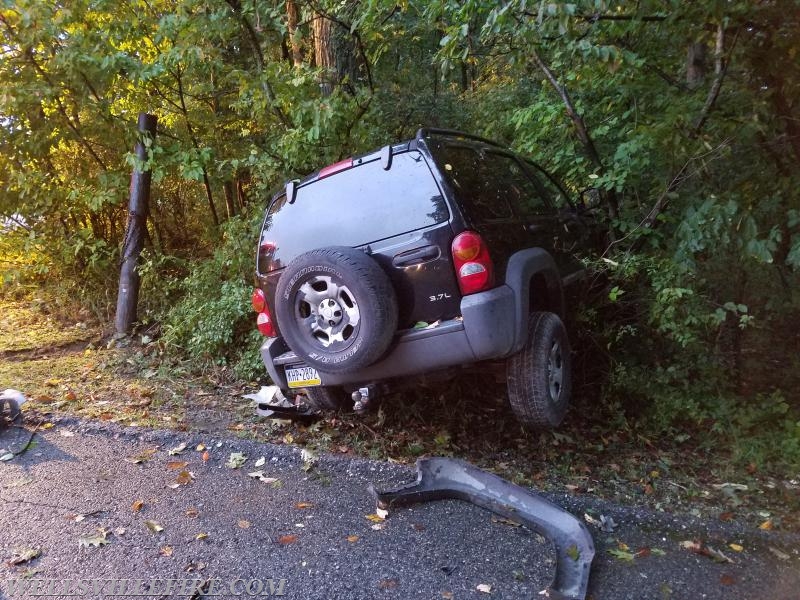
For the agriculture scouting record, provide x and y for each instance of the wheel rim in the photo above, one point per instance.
(555, 371)
(327, 312)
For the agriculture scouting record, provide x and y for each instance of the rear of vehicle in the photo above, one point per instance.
(393, 207)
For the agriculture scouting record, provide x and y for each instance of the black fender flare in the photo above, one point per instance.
(521, 269)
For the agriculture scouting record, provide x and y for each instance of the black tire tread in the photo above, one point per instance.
(528, 394)
(379, 287)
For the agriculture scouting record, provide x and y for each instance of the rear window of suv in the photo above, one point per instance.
(361, 205)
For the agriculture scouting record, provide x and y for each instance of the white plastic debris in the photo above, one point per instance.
(15, 396)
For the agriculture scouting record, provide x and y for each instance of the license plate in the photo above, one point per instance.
(300, 377)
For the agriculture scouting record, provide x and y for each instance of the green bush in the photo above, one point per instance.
(212, 323)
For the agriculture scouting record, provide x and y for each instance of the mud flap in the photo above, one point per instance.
(447, 478)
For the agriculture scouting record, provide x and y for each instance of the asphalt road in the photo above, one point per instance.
(311, 528)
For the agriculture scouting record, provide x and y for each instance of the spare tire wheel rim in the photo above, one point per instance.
(327, 313)
(555, 370)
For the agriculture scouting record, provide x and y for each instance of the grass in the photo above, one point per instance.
(26, 326)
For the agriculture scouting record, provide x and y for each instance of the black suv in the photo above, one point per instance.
(439, 252)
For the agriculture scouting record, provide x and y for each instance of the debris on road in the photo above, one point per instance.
(443, 478)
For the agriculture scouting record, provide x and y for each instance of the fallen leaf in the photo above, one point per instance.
(93, 540)
(22, 556)
(192, 512)
(642, 552)
(622, 546)
(352, 538)
(48, 426)
(766, 525)
(779, 554)
(192, 567)
(388, 584)
(137, 505)
(177, 465)
(77, 518)
(736, 547)
(726, 516)
(621, 554)
(183, 478)
(288, 438)
(206, 456)
(138, 459)
(302, 505)
(309, 459)
(201, 536)
(287, 539)
(699, 548)
(573, 552)
(244, 524)
(727, 579)
(504, 521)
(375, 518)
(70, 396)
(177, 450)
(153, 526)
(165, 551)
(260, 462)
(200, 447)
(484, 587)
(236, 460)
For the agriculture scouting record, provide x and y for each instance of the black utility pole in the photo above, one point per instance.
(138, 209)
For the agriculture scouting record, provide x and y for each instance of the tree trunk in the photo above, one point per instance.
(138, 209)
(324, 54)
(695, 64)
(291, 25)
(230, 200)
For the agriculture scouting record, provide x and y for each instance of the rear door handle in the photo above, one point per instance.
(416, 256)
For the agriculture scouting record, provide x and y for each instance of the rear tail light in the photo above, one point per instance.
(264, 319)
(474, 267)
(258, 300)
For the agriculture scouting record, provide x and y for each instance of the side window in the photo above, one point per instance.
(526, 193)
(476, 181)
(554, 194)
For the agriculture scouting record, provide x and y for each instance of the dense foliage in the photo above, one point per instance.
(684, 115)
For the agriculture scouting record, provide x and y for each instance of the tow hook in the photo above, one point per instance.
(443, 478)
(362, 397)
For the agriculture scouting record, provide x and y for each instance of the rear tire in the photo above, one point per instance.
(336, 308)
(540, 375)
(327, 398)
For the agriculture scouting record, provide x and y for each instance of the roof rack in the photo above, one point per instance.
(426, 131)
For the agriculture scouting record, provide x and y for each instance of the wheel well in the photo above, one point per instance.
(539, 297)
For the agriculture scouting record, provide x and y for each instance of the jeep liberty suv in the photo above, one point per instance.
(438, 252)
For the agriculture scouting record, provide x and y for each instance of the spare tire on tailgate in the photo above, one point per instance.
(336, 309)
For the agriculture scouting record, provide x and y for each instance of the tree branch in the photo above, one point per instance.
(720, 68)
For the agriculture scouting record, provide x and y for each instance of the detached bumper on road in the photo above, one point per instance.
(442, 478)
